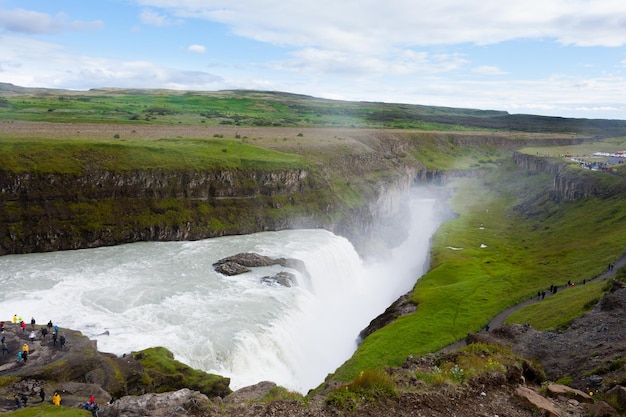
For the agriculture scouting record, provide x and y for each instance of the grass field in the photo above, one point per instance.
(267, 109)
(48, 410)
(73, 156)
(236, 108)
(563, 307)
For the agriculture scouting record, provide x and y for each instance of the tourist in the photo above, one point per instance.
(5, 348)
(32, 322)
(25, 350)
(54, 338)
(18, 403)
(32, 336)
(44, 333)
(23, 326)
(56, 399)
(14, 318)
(42, 394)
(50, 324)
(20, 357)
(92, 406)
(62, 340)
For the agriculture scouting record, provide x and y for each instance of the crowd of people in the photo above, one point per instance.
(22, 399)
(57, 339)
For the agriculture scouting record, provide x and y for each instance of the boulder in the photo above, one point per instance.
(535, 401)
(618, 393)
(556, 390)
(242, 262)
(249, 260)
(283, 278)
(231, 268)
(250, 393)
(176, 403)
(600, 409)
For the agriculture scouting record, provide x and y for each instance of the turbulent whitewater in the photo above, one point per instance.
(134, 296)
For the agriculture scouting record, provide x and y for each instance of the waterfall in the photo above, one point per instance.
(131, 297)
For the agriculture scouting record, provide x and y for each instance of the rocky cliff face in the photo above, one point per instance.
(42, 212)
(151, 183)
(47, 212)
(571, 182)
(535, 163)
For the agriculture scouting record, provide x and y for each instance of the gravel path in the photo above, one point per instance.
(499, 320)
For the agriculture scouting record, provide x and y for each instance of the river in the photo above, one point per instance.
(130, 297)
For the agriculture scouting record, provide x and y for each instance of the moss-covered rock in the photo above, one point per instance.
(80, 364)
(163, 373)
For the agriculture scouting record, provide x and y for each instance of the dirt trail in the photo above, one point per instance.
(499, 320)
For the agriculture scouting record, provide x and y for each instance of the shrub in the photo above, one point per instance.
(447, 372)
(282, 394)
(565, 380)
(163, 373)
(369, 386)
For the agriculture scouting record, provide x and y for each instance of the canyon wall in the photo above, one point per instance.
(41, 212)
(570, 181)
(47, 212)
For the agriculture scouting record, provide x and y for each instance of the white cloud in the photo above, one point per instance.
(374, 25)
(400, 63)
(489, 70)
(153, 18)
(26, 21)
(197, 48)
(20, 64)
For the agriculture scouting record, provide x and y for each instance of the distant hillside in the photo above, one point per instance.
(270, 108)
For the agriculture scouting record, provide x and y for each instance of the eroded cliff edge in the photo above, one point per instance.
(47, 212)
(355, 187)
(569, 180)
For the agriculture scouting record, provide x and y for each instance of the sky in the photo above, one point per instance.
(546, 57)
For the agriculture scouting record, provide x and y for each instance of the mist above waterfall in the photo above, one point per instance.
(167, 294)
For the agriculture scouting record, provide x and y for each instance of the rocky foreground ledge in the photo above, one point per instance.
(151, 383)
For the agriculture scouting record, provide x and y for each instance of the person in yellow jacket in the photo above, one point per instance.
(56, 399)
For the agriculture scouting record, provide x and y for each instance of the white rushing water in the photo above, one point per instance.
(168, 294)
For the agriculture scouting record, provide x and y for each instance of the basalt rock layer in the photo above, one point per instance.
(49, 211)
(571, 182)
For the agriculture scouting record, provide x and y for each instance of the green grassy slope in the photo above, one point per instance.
(73, 156)
(494, 255)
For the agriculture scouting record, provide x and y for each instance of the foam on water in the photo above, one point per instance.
(168, 294)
